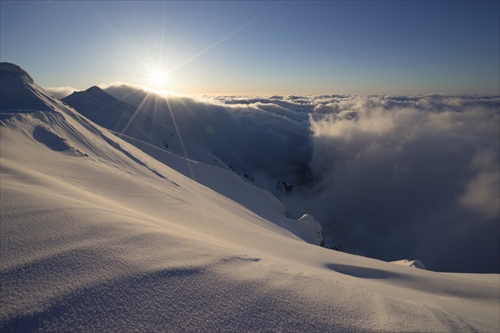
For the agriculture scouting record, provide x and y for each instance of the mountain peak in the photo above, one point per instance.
(18, 90)
(94, 89)
(9, 70)
(100, 95)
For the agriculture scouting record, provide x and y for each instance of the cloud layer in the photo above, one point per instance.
(390, 177)
(412, 177)
(60, 92)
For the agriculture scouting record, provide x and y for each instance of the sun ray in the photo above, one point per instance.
(202, 204)
(136, 111)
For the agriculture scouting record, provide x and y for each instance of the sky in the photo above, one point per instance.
(220, 48)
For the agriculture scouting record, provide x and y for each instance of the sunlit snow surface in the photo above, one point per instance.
(97, 236)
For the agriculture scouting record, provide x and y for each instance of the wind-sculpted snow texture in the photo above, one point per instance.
(98, 236)
(386, 176)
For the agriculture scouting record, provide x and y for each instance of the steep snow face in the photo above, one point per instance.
(97, 236)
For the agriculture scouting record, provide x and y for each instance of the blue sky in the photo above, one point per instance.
(259, 47)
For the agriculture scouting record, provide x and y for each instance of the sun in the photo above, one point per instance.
(158, 78)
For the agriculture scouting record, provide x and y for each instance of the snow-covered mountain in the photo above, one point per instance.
(101, 235)
(97, 105)
(135, 125)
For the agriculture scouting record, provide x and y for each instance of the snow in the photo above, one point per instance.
(410, 263)
(97, 235)
(314, 229)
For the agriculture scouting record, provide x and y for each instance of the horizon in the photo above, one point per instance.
(62, 92)
(258, 48)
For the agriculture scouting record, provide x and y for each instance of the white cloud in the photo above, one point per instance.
(389, 166)
(482, 191)
(60, 92)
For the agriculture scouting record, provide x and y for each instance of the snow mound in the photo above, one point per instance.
(410, 263)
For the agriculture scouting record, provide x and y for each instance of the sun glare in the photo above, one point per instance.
(158, 78)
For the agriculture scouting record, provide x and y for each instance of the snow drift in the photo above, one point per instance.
(98, 236)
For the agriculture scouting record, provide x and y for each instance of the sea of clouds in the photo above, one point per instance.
(389, 177)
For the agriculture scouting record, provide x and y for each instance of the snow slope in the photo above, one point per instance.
(98, 236)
